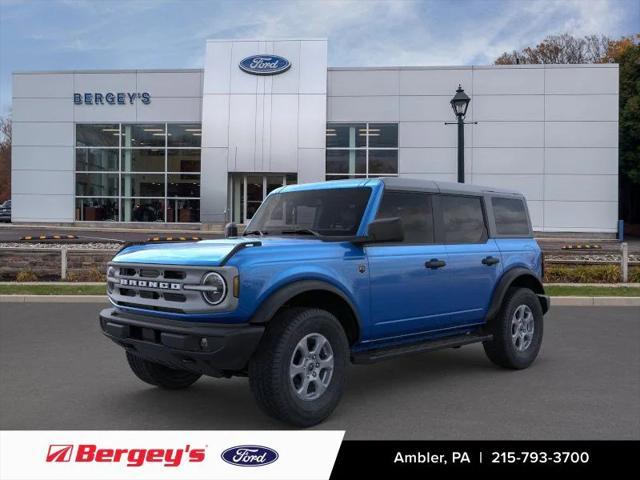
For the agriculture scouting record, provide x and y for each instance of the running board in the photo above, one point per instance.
(371, 356)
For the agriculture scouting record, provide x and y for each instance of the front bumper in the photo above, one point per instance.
(211, 349)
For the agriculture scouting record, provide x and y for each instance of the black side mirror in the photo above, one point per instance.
(230, 230)
(385, 230)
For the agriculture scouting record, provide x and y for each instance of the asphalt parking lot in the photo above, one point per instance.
(57, 371)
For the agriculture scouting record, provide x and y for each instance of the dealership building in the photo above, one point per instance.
(207, 145)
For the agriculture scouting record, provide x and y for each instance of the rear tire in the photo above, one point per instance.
(159, 375)
(297, 373)
(516, 329)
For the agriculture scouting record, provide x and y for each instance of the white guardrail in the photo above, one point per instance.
(62, 250)
(621, 257)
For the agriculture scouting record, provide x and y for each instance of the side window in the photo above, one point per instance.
(510, 215)
(414, 210)
(462, 219)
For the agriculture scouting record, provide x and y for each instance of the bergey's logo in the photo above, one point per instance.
(249, 456)
(265, 64)
(131, 457)
(111, 98)
(59, 453)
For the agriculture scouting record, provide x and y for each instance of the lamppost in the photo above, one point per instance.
(459, 104)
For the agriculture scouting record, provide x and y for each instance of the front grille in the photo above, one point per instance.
(159, 288)
(150, 294)
(174, 275)
(146, 273)
(151, 307)
(175, 297)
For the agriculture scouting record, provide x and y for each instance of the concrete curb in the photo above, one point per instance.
(555, 301)
(56, 284)
(595, 301)
(605, 285)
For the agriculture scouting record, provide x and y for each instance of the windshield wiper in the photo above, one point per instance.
(301, 231)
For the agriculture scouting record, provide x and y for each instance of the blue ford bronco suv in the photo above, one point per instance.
(327, 274)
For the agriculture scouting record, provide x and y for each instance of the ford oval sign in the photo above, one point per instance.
(249, 456)
(265, 64)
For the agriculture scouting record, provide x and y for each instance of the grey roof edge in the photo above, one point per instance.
(445, 187)
(267, 40)
(107, 71)
(480, 67)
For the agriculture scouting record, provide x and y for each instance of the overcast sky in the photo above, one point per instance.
(94, 34)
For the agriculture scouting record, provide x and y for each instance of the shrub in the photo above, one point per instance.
(92, 274)
(27, 275)
(96, 275)
(588, 273)
(72, 277)
(634, 274)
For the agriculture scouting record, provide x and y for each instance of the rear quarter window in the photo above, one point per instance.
(510, 215)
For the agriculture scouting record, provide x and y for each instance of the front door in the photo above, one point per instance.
(409, 279)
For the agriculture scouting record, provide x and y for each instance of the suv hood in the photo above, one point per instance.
(202, 253)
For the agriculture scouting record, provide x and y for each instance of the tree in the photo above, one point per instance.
(626, 53)
(600, 49)
(560, 49)
(5, 159)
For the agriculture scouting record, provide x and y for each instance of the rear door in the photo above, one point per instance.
(474, 262)
(407, 296)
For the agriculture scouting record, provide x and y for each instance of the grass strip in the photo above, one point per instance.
(586, 291)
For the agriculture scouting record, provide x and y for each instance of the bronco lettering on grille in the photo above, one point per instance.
(129, 282)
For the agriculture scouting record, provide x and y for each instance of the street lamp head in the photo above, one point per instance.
(460, 102)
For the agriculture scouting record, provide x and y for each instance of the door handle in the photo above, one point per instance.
(435, 263)
(489, 261)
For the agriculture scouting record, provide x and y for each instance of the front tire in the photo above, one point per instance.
(159, 375)
(517, 330)
(297, 374)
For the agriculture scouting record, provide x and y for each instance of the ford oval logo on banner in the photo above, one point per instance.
(249, 456)
(265, 64)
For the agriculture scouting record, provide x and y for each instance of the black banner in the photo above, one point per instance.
(412, 459)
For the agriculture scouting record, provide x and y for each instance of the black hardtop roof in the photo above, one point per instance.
(402, 183)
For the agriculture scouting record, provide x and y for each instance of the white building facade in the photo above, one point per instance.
(206, 146)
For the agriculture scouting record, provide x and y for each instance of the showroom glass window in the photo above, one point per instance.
(361, 150)
(138, 172)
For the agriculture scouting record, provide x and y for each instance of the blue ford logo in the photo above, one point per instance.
(265, 64)
(249, 456)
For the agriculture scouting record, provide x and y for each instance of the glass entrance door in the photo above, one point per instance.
(254, 186)
(248, 191)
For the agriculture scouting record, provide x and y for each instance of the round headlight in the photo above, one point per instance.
(216, 288)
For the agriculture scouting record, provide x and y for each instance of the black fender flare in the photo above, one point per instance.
(277, 299)
(507, 280)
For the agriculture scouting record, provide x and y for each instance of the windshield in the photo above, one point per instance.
(324, 212)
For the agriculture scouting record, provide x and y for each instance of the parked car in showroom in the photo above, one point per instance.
(5, 211)
(326, 274)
